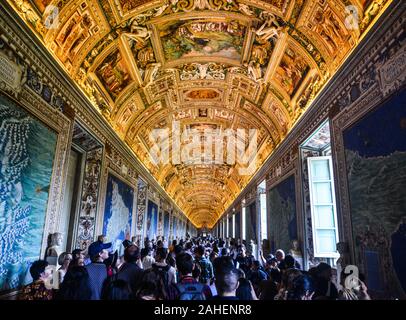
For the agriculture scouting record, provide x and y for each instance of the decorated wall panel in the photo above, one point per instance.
(27, 150)
(375, 154)
(89, 198)
(151, 222)
(282, 218)
(251, 224)
(141, 208)
(166, 217)
(118, 212)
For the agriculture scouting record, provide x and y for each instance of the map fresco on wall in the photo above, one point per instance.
(238, 225)
(27, 150)
(375, 150)
(251, 225)
(197, 38)
(152, 220)
(118, 212)
(175, 227)
(282, 208)
(166, 225)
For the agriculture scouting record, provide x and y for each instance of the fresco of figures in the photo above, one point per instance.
(291, 71)
(113, 73)
(196, 38)
(73, 35)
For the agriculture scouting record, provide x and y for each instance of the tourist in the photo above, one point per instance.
(245, 290)
(172, 246)
(130, 272)
(300, 288)
(97, 269)
(213, 255)
(160, 265)
(148, 260)
(226, 279)
(148, 288)
(289, 263)
(189, 287)
(64, 261)
(188, 248)
(268, 290)
(256, 275)
(325, 288)
(243, 261)
(78, 258)
(118, 289)
(205, 265)
(76, 285)
(37, 290)
(280, 258)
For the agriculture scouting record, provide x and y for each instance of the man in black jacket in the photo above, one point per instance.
(130, 271)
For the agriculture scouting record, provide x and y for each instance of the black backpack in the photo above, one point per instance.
(162, 272)
(191, 291)
(163, 276)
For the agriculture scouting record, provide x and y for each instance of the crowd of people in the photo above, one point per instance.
(191, 269)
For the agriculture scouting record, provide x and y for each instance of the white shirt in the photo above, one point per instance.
(213, 290)
(147, 262)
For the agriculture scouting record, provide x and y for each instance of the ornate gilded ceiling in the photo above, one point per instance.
(216, 64)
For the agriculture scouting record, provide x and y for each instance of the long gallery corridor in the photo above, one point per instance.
(202, 150)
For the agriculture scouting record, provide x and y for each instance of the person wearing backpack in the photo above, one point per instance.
(205, 265)
(165, 273)
(130, 272)
(161, 265)
(188, 288)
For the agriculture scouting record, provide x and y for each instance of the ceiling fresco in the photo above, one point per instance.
(205, 64)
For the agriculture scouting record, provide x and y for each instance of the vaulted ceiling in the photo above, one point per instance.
(206, 64)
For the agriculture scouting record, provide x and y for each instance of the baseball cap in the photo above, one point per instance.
(96, 247)
(127, 243)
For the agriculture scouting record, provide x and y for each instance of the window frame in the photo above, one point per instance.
(316, 252)
(243, 224)
(263, 199)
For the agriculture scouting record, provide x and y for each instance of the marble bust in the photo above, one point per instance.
(54, 248)
(296, 252)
